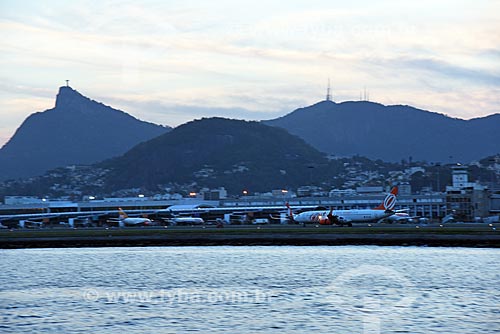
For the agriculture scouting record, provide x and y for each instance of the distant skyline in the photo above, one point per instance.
(169, 62)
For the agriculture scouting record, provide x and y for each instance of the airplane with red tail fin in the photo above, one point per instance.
(347, 217)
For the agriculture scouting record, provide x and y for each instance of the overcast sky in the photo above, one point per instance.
(169, 62)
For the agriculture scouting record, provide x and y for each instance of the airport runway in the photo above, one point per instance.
(455, 235)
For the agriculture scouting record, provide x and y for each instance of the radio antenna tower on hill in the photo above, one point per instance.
(328, 91)
(366, 95)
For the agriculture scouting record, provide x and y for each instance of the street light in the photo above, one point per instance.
(310, 167)
(91, 198)
(493, 165)
(438, 165)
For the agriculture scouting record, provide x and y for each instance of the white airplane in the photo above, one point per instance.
(124, 220)
(30, 224)
(402, 217)
(185, 220)
(347, 217)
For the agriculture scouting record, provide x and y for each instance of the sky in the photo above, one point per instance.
(169, 62)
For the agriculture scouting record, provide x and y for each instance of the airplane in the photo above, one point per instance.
(402, 217)
(124, 220)
(30, 224)
(187, 216)
(185, 220)
(399, 217)
(347, 217)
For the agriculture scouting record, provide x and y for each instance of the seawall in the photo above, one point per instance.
(139, 238)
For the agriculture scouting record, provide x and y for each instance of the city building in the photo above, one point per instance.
(466, 200)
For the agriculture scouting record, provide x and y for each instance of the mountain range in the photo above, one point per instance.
(392, 133)
(243, 155)
(77, 130)
(235, 154)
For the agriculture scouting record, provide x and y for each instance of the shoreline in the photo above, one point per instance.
(262, 238)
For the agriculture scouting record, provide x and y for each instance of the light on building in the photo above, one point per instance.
(192, 194)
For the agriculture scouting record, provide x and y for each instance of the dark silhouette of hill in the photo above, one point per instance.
(217, 152)
(77, 130)
(392, 133)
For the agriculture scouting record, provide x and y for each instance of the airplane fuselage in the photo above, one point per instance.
(187, 220)
(361, 215)
(135, 221)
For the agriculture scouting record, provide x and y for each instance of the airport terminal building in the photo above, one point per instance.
(464, 200)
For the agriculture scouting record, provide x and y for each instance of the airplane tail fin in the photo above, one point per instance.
(122, 213)
(390, 200)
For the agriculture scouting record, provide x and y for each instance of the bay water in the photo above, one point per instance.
(250, 289)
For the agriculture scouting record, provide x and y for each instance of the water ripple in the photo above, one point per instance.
(250, 289)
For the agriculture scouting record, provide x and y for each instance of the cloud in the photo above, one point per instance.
(8, 86)
(174, 114)
(442, 68)
(170, 62)
(490, 53)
